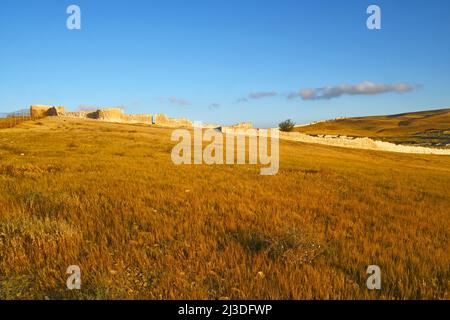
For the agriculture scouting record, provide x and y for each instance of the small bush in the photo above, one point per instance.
(287, 125)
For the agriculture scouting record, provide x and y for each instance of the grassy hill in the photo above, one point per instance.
(417, 128)
(108, 198)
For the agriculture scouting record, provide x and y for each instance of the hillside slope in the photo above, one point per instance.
(418, 128)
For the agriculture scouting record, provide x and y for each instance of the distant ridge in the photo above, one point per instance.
(428, 128)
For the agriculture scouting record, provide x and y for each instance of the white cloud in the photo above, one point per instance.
(257, 95)
(363, 88)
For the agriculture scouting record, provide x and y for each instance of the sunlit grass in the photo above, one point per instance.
(427, 128)
(108, 198)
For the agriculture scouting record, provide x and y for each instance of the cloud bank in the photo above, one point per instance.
(363, 88)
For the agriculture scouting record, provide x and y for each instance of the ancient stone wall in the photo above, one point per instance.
(55, 111)
(40, 111)
(164, 120)
(242, 126)
(109, 114)
(360, 143)
(78, 114)
(138, 118)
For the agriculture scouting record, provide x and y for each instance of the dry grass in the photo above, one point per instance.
(108, 198)
(425, 127)
(11, 122)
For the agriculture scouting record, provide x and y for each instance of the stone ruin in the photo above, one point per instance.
(243, 126)
(41, 111)
(110, 115)
(162, 119)
(118, 115)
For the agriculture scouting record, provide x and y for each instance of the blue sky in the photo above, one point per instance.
(226, 61)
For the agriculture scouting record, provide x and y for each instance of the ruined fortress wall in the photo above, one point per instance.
(163, 120)
(109, 114)
(55, 111)
(40, 111)
(242, 126)
(138, 118)
(78, 114)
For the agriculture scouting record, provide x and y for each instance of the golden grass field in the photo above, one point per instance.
(108, 198)
(11, 122)
(409, 128)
